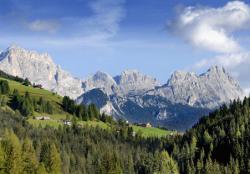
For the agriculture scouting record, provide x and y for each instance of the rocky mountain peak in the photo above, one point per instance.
(178, 76)
(208, 90)
(39, 69)
(129, 72)
(102, 76)
(131, 81)
(18, 52)
(220, 75)
(216, 69)
(100, 80)
(15, 47)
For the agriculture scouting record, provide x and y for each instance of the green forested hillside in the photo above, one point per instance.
(219, 143)
(95, 143)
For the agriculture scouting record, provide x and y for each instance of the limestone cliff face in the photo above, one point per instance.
(208, 90)
(132, 81)
(102, 81)
(39, 69)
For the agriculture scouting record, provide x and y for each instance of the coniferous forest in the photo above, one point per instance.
(124, 87)
(219, 143)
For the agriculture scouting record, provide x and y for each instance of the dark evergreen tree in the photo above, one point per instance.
(26, 82)
(4, 87)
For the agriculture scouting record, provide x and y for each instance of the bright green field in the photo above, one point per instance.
(35, 92)
(152, 131)
(44, 123)
(55, 99)
(55, 116)
(145, 132)
(94, 124)
(55, 119)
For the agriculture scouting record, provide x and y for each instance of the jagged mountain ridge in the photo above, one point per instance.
(39, 69)
(131, 95)
(178, 104)
(207, 90)
(132, 81)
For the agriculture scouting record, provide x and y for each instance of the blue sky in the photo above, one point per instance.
(156, 37)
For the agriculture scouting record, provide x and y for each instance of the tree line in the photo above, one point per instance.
(84, 112)
(27, 104)
(15, 78)
(4, 91)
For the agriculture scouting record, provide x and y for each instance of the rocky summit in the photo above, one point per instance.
(208, 90)
(131, 95)
(39, 69)
(132, 81)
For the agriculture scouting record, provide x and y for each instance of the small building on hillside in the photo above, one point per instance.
(43, 118)
(67, 122)
(148, 125)
(38, 86)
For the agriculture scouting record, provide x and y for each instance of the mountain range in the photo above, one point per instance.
(133, 96)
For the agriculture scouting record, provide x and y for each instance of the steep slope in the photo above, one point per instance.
(39, 69)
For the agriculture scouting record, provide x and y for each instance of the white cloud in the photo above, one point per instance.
(107, 15)
(44, 25)
(212, 28)
(97, 28)
(236, 63)
(104, 22)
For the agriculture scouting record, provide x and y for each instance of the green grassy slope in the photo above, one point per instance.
(59, 115)
(55, 99)
(35, 92)
(152, 131)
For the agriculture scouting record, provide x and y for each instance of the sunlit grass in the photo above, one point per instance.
(34, 92)
(44, 123)
(152, 131)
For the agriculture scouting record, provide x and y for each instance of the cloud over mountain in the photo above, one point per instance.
(212, 28)
(215, 29)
